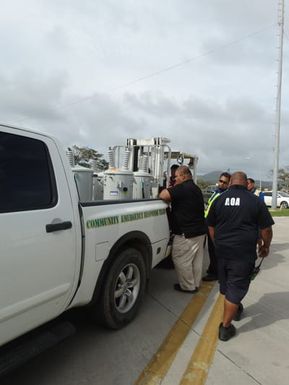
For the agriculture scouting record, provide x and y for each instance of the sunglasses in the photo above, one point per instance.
(223, 181)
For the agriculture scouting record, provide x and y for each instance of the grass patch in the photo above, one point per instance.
(279, 212)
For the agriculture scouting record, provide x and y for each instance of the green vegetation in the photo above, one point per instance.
(279, 212)
(84, 155)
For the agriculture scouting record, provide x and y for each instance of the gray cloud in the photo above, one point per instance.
(95, 73)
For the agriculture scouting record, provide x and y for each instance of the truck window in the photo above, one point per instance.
(27, 180)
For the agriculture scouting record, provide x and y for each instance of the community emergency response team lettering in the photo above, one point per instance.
(107, 221)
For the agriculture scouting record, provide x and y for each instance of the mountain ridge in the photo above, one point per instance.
(213, 177)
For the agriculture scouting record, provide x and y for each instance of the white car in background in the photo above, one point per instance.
(282, 199)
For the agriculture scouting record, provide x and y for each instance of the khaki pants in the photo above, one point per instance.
(187, 255)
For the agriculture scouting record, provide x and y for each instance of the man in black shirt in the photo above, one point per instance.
(235, 220)
(189, 228)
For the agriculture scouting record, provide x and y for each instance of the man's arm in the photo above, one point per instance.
(266, 236)
(165, 195)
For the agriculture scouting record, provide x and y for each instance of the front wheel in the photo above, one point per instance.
(124, 289)
(284, 205)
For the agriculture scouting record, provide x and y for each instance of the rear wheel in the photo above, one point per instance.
(124, 289)
(284, 205)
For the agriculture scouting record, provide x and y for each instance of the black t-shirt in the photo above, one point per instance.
(237, 215)
(187, 209)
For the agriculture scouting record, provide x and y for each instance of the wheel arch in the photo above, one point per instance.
(284, 204)
(134, 239)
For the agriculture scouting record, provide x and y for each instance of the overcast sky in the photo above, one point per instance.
(200, 72)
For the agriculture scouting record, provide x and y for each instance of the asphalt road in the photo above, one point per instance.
(257, 355)
(98, 356)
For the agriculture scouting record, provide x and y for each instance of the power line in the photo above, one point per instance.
(165, 69)
(178, 65)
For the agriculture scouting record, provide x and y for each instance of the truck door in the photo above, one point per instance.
(37, 237)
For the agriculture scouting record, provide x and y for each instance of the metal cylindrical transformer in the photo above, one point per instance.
(118, 184)
(98, 186)
(142, 187)
(83, 177)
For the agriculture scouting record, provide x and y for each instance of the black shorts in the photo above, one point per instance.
(234, 278)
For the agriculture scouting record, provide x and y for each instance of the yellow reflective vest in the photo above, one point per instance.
(212, 198)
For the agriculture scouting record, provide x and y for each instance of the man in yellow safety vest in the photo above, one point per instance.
(222, 185)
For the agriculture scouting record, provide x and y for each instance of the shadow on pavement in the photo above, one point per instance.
(273, 260)
(279, 247)
(270, 308)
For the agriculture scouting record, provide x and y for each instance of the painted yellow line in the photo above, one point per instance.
(198, 367)
(162, 360)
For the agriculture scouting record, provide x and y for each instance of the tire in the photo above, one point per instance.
(284, 205)
(124, 289)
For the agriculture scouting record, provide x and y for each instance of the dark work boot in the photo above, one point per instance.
(225, 333)
(210, 277)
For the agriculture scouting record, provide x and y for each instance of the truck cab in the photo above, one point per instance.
(39, 264)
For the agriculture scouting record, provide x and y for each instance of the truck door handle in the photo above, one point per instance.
(51, 227)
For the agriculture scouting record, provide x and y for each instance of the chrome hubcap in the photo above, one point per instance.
(127, 288)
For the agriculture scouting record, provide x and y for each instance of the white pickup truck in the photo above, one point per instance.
(57, 252)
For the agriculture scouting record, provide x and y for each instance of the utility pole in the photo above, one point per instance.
(278, 102)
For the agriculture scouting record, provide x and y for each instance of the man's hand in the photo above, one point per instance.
(165, 195)
(259, 243)
(266, 236)
(263, 251)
